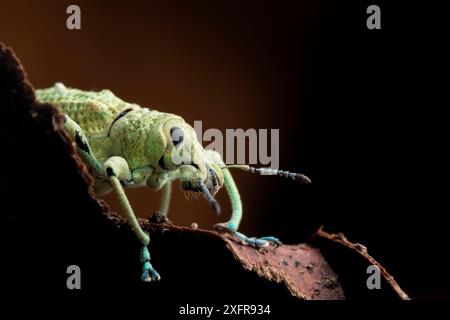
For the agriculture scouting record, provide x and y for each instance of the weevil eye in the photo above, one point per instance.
(177, 135)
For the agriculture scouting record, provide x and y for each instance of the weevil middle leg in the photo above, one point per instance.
(165, 199)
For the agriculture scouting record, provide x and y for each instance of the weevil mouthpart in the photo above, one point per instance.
(211, 200)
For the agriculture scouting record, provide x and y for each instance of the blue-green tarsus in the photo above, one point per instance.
(126, 146)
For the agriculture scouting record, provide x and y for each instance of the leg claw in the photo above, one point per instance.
(148, 272)
(150, 275)
(262, 242)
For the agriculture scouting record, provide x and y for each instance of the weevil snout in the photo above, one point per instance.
(191, 181)
(212, 182)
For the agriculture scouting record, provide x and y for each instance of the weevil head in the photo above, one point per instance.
(208, 187)
(183, 151)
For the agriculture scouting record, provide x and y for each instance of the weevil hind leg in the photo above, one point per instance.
(82, 144)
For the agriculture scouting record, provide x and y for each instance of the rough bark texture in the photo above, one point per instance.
(51, 219)
(300, 267)
(362, 251)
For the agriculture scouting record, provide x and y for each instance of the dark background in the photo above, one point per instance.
(356, 108)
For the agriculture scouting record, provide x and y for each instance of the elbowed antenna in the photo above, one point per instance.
(271, 172)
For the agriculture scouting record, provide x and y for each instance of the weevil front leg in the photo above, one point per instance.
(236, 216)
(117, 170)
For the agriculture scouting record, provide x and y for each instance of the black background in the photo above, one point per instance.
(361, 114)
(376, 139)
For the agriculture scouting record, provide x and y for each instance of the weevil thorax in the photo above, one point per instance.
(136, 136)
(161, 140)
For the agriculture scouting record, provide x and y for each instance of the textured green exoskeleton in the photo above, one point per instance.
(124, 145)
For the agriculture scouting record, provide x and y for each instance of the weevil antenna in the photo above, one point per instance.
(271, 172)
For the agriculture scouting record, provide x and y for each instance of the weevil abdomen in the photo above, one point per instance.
(92, 111)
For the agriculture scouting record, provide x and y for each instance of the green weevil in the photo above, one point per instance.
(124, 145)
